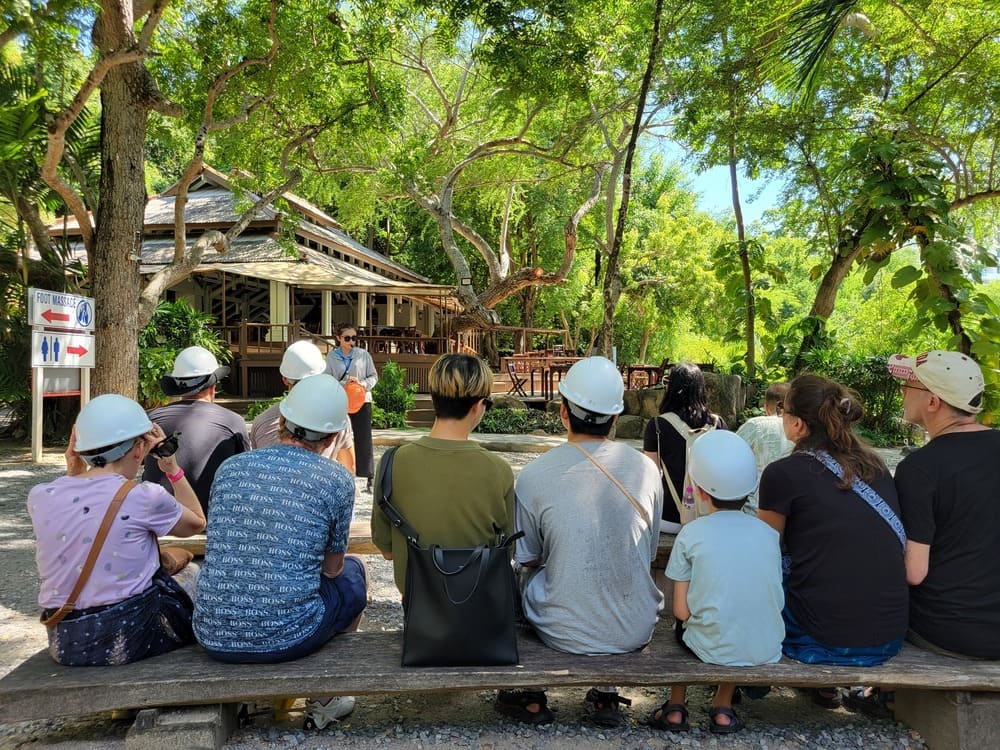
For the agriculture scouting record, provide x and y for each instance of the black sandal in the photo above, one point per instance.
(661, 721)
(606, 712)
(735, 722)
(514, 703)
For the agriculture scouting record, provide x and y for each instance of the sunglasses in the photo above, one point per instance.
(348, 338)
(488, 403)
(904, 386)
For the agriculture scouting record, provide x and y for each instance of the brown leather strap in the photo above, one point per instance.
(635, 503)
(95, 549)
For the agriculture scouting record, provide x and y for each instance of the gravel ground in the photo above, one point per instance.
(784, 719)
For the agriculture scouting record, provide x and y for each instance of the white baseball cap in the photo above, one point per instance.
(953, 377)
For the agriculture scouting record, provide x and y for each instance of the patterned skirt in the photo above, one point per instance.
(150, 623)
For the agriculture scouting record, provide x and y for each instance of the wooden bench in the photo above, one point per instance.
(953, 703)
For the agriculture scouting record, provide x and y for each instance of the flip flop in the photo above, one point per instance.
(735, 722)
(660, 722)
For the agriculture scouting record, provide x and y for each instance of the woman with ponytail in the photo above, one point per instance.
(834, 503)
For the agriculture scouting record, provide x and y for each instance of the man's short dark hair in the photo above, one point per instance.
(584, 427)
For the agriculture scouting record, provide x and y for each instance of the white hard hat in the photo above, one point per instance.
(315, 408)
(722, 464)
(108, 421)
(594, 384)
(195, 369)
(302, 359)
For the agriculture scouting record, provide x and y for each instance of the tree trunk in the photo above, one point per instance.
(116, 281)
(612, 273)
(750, 309)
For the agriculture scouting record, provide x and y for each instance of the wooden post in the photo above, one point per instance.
(244, 370)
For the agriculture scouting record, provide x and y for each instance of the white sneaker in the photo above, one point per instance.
(318, 715)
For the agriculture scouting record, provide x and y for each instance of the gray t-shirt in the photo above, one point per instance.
(595, 593)
(265, 428)
(733, 565)
(209, 435)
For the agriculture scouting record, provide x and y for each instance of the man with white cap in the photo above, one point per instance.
(301, 359)
(209, 433)
(276, 584)
(590, 511)
(949, 495)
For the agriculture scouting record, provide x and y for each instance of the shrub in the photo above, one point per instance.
(174, 326)
(519, 422)
(391, 399)
(259, 407)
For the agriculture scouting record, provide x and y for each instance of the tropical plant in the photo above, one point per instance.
(391, 398)
(175, 326)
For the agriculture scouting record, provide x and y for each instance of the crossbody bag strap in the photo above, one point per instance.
(95, 549)
(383, 491)
(642, 511)
(663, 468)
(867, 493)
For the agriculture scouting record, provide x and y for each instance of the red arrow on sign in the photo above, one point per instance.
(78, 350)
(49, 315)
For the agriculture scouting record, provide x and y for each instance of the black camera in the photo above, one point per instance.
(167, 447)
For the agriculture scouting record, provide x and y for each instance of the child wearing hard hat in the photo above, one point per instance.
(726, 569)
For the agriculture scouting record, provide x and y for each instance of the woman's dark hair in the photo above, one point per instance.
(686, 395)
(829, 409)
(341, 327)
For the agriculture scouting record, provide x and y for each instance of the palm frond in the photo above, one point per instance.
(811, 29)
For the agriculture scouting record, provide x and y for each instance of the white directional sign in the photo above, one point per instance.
(59, 310)
(54, 349)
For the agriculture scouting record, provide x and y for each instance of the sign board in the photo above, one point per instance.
(56, 381)
(59, 310)
(55, 349)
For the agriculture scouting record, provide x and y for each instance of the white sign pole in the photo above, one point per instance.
(37, 396)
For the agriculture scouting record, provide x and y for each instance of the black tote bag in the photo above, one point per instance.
(458, 610)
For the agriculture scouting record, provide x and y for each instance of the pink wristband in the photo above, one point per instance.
(175, 478)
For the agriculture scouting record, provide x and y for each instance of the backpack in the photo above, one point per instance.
(687, 508)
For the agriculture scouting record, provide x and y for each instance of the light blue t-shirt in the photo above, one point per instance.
(732, 562)
(274, 514)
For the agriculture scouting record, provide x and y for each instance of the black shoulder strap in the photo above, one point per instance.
(383, 491)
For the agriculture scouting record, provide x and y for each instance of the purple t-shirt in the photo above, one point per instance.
(66, 515)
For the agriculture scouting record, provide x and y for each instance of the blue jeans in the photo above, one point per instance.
(801, 646)
(344, 598)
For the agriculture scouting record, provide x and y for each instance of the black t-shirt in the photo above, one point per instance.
(673, 453)
(847, 585)
(949, 491)
(210, 434)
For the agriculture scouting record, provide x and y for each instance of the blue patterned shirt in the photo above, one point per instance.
(274, 514)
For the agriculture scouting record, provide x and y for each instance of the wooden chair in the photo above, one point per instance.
(516, 381)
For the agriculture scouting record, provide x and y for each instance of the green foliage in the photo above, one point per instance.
(173, 327)
(15, 361)
(391, 399)
(259, 407)
(866, 374)
(519, 422)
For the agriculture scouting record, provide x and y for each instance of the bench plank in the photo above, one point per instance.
(369, 662)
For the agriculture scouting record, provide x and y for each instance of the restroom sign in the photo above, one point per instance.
(50, 309)
(55, 349)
